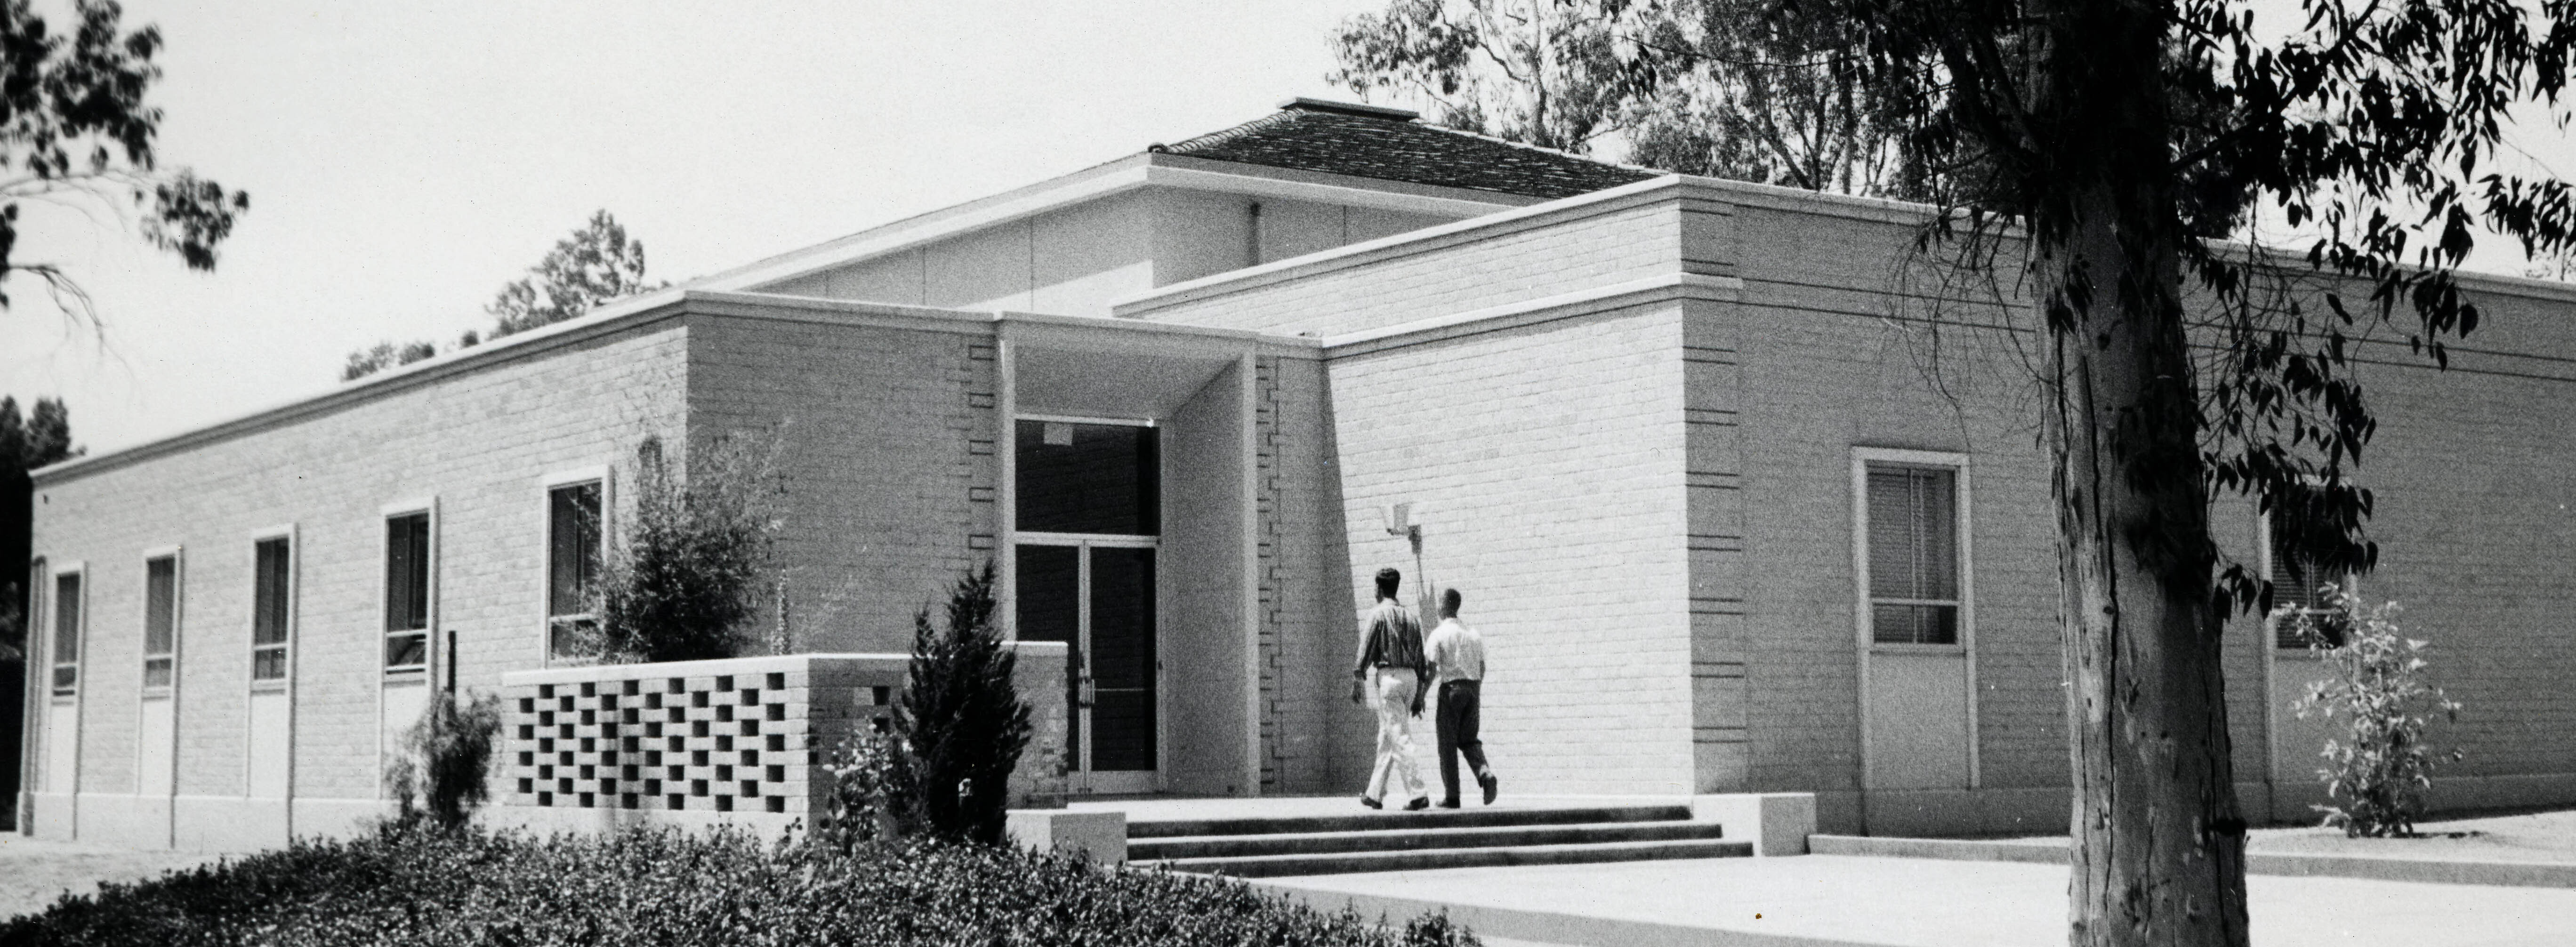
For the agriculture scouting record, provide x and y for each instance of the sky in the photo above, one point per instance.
(405, 161)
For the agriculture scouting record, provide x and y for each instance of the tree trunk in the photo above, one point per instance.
(2159, 845)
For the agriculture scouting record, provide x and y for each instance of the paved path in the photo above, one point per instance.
(1824, 899)
(33, 874)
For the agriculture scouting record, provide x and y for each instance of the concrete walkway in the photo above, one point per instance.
(1837, 900)
(34, 874)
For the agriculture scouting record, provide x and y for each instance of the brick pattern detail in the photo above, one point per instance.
(1274, 761)
(711, 742)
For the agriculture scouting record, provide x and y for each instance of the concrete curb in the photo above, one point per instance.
(2367, 867)
(1547, 927)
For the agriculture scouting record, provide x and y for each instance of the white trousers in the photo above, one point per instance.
(1395, 687)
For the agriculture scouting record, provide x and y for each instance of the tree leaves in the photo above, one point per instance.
(75, 127)
(597, 263)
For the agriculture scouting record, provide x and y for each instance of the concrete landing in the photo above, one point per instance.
(1818, 900)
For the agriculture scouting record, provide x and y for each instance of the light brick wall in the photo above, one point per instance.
(1545, 467)
(1316, 740)
(478, 440)
(886, 440)
(1596, 244)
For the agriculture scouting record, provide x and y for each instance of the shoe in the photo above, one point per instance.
(1371, 803)
(1448, 803)
(1493, 787)
(1418, 804)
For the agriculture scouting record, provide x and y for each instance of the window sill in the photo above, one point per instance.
(1881, 647)
(407, 672)
(158, 693)
(2297, 654)
(270, 686)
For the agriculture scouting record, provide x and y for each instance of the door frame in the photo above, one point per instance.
(1079, 776)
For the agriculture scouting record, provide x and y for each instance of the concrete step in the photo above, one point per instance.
(1387, 840)
(1362, 820)
(1333, 863)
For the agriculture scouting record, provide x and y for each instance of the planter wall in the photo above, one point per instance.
(738, 740)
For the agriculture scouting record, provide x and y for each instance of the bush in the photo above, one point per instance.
(687, 574)
(2376, 776)
(439, 774)
(961, 719)
(870, 793)
(402, 887)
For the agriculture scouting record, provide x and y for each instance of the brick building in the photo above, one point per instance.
(1737, 510)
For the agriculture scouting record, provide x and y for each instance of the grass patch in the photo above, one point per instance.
(453, 889)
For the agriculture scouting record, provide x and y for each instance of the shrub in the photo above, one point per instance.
(402, 887)
(2376, 775)
(962, 722)
(439, 774)
(869, 794)
(686, 576)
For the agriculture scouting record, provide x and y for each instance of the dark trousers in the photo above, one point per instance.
(1457, 728)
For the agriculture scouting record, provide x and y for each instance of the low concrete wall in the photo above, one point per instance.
(739, 740)
(1777, 823)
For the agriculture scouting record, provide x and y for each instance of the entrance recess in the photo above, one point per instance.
(1096, 594)
(1089, 517)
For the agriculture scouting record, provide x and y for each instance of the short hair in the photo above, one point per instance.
(1388, 580)
(1449, 601)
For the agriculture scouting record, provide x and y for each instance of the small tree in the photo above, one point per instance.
(439, 775)
(961, 719)
(687, 576)
(2376, 776)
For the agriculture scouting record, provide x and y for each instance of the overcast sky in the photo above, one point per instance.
(406, 160)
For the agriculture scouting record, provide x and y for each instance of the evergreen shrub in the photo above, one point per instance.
(408, 887)
(439, 775)
(961, 719)
(685, 578)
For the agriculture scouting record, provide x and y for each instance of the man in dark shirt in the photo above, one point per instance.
(1391, 658)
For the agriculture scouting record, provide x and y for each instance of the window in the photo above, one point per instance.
(1088, 476)
(407, 592)
(67, 632)
(270, 580)
(572, 568)
(160, 622)
(1913, 546)
(2296, 578)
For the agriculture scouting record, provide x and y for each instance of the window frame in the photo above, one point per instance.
(2272, 627)
(285, 645)
(1962, 512)
(178, 610)
(427, 508)
(78, 572)
(547, 621)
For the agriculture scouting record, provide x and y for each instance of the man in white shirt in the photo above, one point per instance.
(1457, 656)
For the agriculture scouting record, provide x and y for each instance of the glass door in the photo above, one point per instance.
(1096, 594)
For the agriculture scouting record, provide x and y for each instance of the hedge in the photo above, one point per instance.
(423, 887)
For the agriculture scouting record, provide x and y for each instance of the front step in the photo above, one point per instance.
(1264, 866)
(1397, 819)
(1339, 842)
(1410, 841)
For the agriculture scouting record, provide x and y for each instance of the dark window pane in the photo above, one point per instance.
(160, 605)
(1049, 582)
(1913, 533)
(67, 618)
(1122, 659)
(573, 637)
(1914, 624)
(572, 557)
(269, 591)
(406, 650)
(156, 672)
(65, 676)
(407, 572)
(1088, 478)
(268, 664)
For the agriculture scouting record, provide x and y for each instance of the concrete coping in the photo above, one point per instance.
(758, 664)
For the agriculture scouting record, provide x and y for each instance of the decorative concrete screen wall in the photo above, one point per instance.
(738, 740)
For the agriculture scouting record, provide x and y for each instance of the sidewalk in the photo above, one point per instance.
(1816, 900)
(34, 873)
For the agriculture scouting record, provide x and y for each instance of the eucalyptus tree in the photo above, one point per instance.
(77, 131)
(2098, 153)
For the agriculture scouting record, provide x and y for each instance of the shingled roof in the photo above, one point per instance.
(1388, 144)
